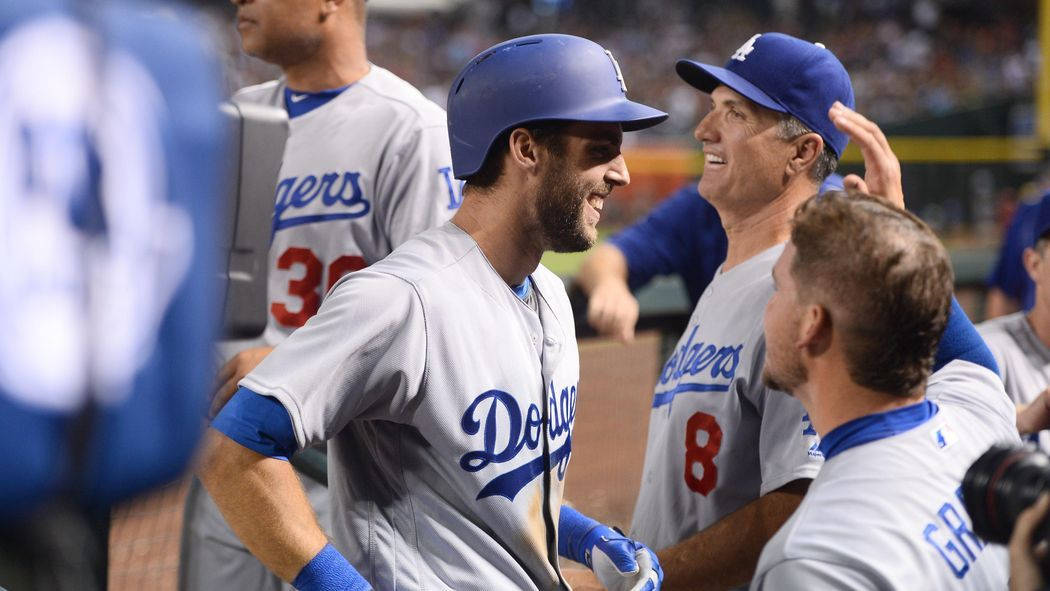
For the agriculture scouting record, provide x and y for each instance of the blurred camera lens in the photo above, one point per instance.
(1003, 482)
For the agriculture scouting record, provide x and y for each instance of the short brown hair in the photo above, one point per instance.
(885, 279)
(546, 134)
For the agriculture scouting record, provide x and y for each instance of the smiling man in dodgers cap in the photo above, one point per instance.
(727, 459)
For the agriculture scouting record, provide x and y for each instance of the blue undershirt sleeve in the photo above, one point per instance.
(961, 341)
(259, 423)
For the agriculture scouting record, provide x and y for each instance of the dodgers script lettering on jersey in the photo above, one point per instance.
(502, 414)
(295, 193)
(699, 360)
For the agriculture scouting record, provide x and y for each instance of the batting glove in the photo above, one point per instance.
(620, 563)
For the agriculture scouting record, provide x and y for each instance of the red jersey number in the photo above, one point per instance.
(700, 458)
(306, 287)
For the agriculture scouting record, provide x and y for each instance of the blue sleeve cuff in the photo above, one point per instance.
(330, 571)
(259, 423)
(962, 341)
(577, 534)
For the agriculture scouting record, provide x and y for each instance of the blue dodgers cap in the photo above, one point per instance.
(527, 80)
(1042, 223)
(784, 74)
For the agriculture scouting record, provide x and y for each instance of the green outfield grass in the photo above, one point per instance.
(564, 264)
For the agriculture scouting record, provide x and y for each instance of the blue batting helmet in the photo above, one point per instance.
(537, 78)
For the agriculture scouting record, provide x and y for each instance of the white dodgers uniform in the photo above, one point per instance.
(448, 404)
(365, 168)
(1023, 360)
(718, 438)
(361, 174)
(886, 510)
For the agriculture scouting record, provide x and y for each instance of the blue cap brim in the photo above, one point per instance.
(706, 78)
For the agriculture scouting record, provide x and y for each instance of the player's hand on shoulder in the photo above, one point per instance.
(882, 169)
(623, 564)
(232, 372)
(612, 310)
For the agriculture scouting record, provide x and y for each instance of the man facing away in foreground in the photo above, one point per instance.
(863, 293)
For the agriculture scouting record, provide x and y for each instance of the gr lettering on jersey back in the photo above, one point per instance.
(506, 432)
(951, 536)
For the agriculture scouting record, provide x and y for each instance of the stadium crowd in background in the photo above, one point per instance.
(908, 60)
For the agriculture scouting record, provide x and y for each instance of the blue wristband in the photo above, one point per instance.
(577, 535)
(330, 571)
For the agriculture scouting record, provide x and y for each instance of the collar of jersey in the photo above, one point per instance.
(522, 291)
(301, 103)
(874, 427)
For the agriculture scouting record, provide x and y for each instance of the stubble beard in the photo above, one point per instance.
(560, 207)
(786, 380)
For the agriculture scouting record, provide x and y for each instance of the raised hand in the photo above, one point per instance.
(882, 169)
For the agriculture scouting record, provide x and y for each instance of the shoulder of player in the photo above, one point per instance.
(266, 93)
(404, 101)
(780, 572)
(750, 280)
(977, 390)
(1000, 326)
(967, 381)
(424, 256)
(845, 502)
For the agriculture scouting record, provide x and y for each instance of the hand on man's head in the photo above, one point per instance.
(882, 169)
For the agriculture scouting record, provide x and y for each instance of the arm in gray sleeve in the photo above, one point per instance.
(361, 356)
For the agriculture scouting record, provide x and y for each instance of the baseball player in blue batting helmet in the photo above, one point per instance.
(445, 376)
(533, 79)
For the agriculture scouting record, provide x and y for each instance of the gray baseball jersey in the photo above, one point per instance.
(361, 174)
(888, 513)
(448, 404)
(1023, 359)
(718, 438)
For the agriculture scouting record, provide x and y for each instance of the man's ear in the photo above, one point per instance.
(1032, 260)
(808, 147)
(330, 7)
(523, 150)
(814, 329)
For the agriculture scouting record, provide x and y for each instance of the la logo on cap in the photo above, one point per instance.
(745, 49)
